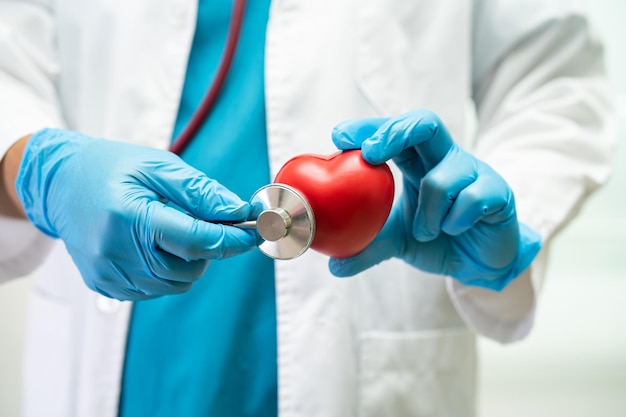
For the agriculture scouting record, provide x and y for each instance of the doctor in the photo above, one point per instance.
(208, 326)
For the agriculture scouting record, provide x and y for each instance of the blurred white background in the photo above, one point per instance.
(574, 362)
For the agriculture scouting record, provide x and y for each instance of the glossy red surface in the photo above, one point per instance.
(350, 198)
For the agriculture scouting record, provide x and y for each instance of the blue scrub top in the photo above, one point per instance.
(212, 351)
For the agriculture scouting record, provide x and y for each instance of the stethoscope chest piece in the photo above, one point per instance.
(286, 221)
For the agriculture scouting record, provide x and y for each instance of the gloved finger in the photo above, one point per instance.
(351, 133)
(411, 167)
(193, 239)
(383, 247)
(155, 287)
(488, 198)
(193, 191)
(115, 281)
(439, 190)
(146, 292)
(119, 293)
(165, 266)
(421, 129)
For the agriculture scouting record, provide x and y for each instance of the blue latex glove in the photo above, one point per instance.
(456, 216)
(107, 201)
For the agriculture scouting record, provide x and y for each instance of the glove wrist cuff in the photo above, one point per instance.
(41, 159)
(499, 279)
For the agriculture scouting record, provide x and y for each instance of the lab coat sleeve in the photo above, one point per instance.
(28, 101)
(547, 125)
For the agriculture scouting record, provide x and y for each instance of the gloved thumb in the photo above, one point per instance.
(381, 249)
(350, 134)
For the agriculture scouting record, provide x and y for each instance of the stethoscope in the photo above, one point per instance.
(286, 221)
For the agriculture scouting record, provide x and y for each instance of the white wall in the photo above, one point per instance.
(12, 323)
(574, 362)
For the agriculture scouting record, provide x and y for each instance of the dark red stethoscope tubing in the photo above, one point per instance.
(205, 107)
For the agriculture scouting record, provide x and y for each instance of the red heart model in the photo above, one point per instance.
(350, 198)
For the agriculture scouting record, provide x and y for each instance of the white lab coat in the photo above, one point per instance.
(394, 341)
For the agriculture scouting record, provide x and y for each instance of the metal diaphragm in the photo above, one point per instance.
(285, 221)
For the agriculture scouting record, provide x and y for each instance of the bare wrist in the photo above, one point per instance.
(10, 204)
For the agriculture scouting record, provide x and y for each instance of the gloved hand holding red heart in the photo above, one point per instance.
(456, 215)
(350, 198)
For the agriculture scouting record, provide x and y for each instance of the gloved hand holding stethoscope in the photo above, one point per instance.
(112, 205)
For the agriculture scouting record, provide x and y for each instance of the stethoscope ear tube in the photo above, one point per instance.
(207, 103)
